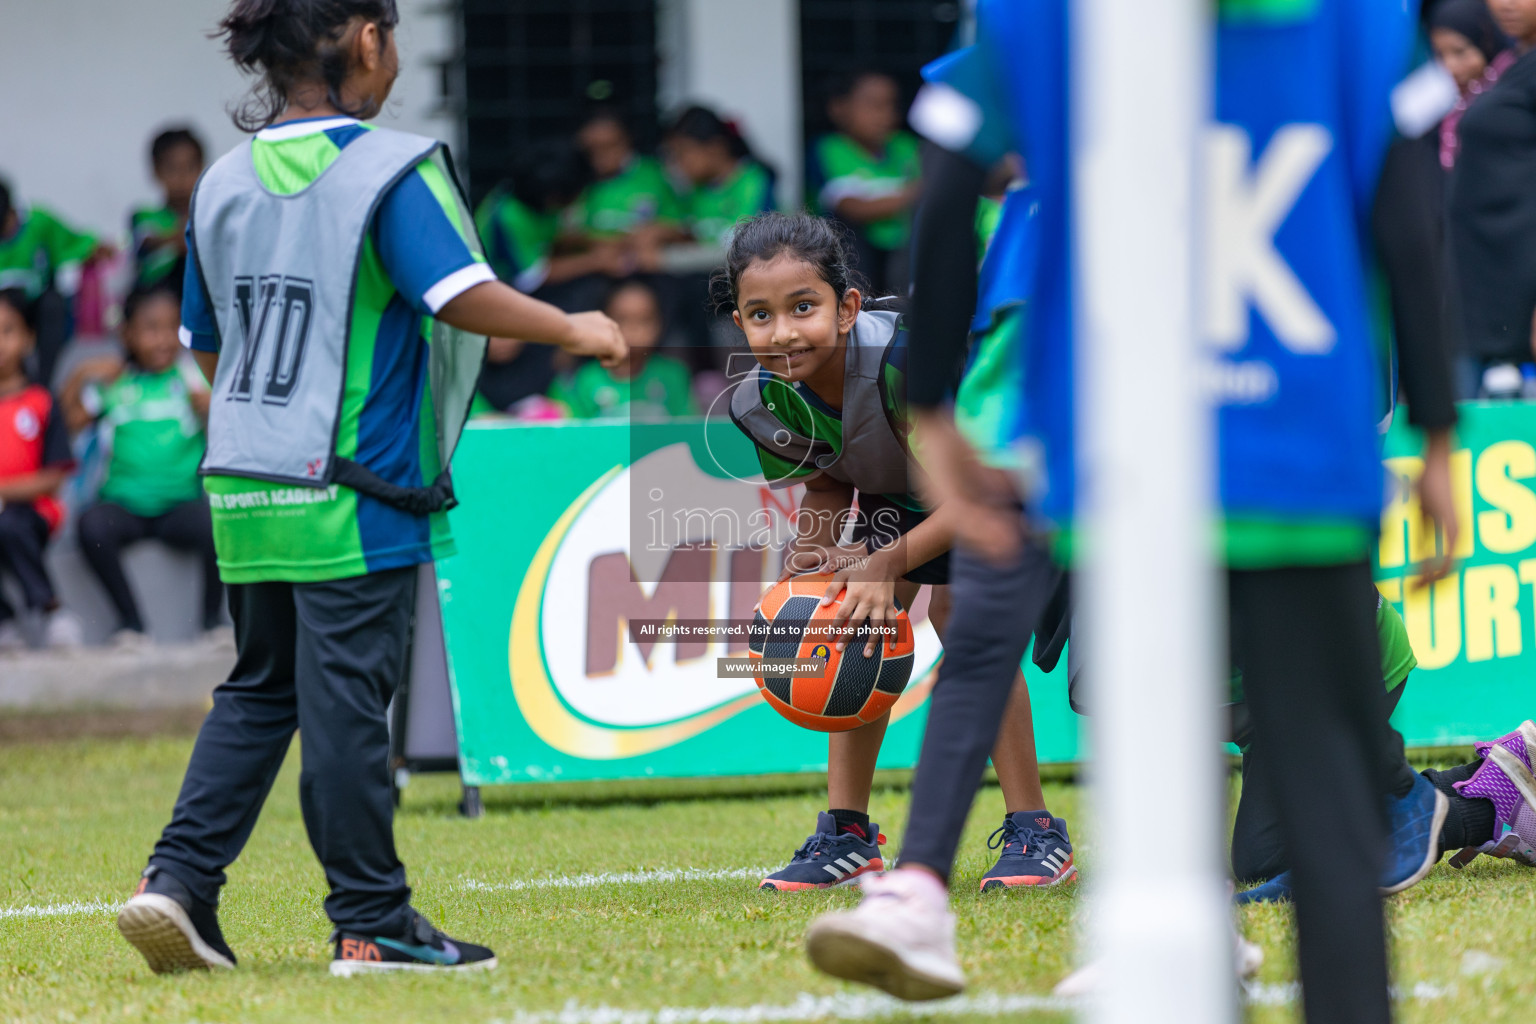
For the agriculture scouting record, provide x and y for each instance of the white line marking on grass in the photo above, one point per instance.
(806, 1007)
(861, 1006)
(59, 910)
(614, 878)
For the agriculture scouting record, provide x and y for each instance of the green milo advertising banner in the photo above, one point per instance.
(568, 533)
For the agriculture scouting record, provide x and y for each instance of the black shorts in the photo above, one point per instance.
(884, 521)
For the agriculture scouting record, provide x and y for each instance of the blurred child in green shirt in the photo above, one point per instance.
(866, 174)
(150, 411)
(645, 386)
(160, 233)
(631, 192)
(726, 184)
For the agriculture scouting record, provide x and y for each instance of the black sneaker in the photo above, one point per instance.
(173, 929)
(421, 948)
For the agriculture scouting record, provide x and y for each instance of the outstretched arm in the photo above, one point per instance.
(501, 311)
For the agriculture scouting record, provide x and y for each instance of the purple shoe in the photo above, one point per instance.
(1521, 743)
(1506, 780)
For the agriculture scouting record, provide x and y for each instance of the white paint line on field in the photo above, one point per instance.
(1270, 993)
(614, 878)
(871, 1006)
(843, 1006)
(59, 910)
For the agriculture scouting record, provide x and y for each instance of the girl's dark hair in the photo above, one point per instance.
(169, 139)
(17, 299)
(5, 202)
(704, 125)
(289, 42)
(822, 243)
(141, 296)
(549, 174)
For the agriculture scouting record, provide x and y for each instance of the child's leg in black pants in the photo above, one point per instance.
(1258, 850)
(23, 538)
(993, 617)
(1305, 640)
(325, 657)
(104, 531)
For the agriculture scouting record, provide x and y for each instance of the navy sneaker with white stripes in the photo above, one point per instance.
(829, 858)
(1036, 851)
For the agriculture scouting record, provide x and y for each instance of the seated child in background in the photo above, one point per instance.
(645, 386)
(631, 198)
(43, 258)
(520, 223)
(34, 461)
(865, 174)
(726, 183)
(160, 233)
(150, 411)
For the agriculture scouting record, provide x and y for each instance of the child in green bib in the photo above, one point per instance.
(150, 411)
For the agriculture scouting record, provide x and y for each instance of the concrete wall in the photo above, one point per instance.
(741, 57)
(87, 83)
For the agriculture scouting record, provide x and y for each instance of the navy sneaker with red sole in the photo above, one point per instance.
(1036, 852)
(829, 858)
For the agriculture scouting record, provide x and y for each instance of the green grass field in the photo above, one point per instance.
(78, 818)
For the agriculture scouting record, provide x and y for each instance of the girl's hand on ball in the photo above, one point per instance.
(870, 597)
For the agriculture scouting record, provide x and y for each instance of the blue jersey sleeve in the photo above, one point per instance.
(964, 107)
(422, 244)
(199, 329)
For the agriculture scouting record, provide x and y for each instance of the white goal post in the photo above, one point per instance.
(1159, 919)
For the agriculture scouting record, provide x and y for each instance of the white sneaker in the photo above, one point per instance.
(63, 630)
(1247, 959)
(900, 938)
(12, 639)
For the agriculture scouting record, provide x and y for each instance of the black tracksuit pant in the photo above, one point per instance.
(324, 658)
(23, 539)
(1307, 647)
(993, 614)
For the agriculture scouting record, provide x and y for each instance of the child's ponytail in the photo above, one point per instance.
(290, 42)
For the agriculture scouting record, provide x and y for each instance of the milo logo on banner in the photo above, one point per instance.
(584, 682)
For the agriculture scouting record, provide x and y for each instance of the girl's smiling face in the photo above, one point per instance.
(794, 322)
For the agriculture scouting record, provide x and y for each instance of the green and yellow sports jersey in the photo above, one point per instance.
(40, 248)
(639, 195)
(421, 252)
(155, 440)
(804, 412)
(518, 239)
(842, 169)
(663, 388)
(713, 211)
(151, 229)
